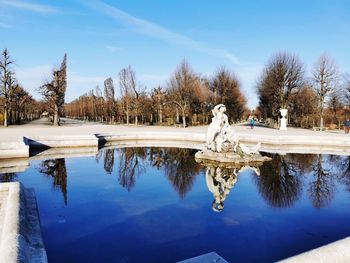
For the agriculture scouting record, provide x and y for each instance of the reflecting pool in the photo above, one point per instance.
(159, 205)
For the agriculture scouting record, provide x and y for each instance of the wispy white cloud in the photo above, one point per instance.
(112, 48)
(38, 8)
(154, 30)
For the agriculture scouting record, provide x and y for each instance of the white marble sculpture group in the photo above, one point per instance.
(220, 137)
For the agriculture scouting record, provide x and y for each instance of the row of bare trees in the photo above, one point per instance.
(16, 104)
(284, 84)
(187, 95)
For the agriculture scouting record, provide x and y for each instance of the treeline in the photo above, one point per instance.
(16, 104)
(316, 98)
(186, 99)
(311, 99)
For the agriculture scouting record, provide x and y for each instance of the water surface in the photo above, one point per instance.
(159, 205)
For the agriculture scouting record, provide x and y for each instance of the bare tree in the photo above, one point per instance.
(181, 87)
(110, 99)
(158, 100)
(302, 109)
(334, 105)
(18, 98)
(54, 91)
(137, 94)
(346, 90)
(325, 76)
(6, 80)
(281, 77)
(226, 89)
(127, 83)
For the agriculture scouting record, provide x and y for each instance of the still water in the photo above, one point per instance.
(159, 205)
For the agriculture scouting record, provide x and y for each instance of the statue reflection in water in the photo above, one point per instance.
(220, 180)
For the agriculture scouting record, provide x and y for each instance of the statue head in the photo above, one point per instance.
(217, 206)
(219, 108)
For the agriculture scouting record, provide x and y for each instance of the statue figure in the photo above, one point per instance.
(222, 144)
(219, 130)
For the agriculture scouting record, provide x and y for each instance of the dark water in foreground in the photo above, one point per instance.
(156, 205)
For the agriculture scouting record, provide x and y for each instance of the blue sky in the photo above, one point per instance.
(102, 37)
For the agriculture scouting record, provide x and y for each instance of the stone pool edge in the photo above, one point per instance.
(282, 143)
(20, 237)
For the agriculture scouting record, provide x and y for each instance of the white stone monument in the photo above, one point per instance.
(283, 121)
(222, 144)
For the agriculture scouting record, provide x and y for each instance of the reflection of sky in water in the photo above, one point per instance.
(164, 214)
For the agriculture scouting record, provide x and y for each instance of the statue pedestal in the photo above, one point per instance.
(283, 121)
(234, 159)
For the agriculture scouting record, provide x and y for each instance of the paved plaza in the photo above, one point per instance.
(73, 127)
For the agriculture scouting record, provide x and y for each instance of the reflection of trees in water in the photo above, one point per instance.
(8, 177)
(322, 187)
(279, 182)
(345, 176)
(302, 162)
(178, 164)
(157, 157)
(108, 160)
(99, 155)
(180, 168)
(129, 165)
(341, 166)
(56, 168)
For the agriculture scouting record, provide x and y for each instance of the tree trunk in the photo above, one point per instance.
(55, 116)
(177, 115)
(5, 113)
(321, 115)
(136, 120)
(127, 116)
(183, 118)
(160, 114)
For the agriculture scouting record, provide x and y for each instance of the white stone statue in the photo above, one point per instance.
(250, 150)
(219, 130)
(220, 137)
(283, 121)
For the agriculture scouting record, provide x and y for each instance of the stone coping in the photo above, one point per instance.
(20, 235)
(13, 149)
(334, 252)
(282, 143)
(59, 141)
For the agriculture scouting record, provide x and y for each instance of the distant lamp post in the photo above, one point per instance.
(283, 122)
